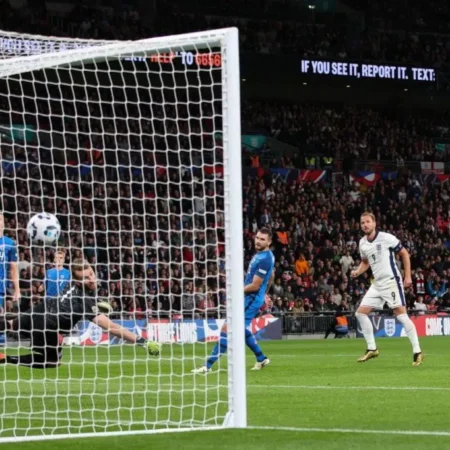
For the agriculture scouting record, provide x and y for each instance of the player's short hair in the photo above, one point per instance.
(265, 230)
(370, 214)
(60, 251)
(79, 264)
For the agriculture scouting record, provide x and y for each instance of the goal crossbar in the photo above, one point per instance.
(111, 49)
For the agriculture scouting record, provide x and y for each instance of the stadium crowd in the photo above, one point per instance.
(342, 130)
(150, 261)
(155, 233)
(316, 229)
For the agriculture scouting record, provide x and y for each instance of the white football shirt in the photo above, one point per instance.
(381, 256)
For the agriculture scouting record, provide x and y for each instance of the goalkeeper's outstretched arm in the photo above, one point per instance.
(116, 330)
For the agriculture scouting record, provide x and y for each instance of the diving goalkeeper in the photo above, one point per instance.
(58, 315)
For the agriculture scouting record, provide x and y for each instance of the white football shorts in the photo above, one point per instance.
(392, 293)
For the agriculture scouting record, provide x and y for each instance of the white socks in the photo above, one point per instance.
(408, 325)
(411, 331)
(367, 330)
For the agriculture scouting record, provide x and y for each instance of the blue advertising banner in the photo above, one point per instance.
(265, 327)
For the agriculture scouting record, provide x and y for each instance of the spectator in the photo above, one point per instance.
(432, 306)
(188, 302)
(278, 289)
(321, 307)
(346, 262)
(419, 281)
(436, 288)
(206, 308)
(269, 307)
(336, 297)
(298, 308)
(420, 306)
(289, 295)
(279, 308)
(301, 265)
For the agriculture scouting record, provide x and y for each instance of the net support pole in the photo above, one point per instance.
(233, 209)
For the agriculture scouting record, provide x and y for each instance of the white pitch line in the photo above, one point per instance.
(344, 355)
(355, 431)
(362, 388)
(224, 431)
(200, 386)
(163, 360)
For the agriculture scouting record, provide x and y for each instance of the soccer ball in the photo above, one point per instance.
(43, 227)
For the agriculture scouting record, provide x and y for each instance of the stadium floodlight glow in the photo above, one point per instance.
(161, 102)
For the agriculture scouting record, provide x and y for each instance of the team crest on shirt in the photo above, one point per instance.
(378, 247)
(390, 327)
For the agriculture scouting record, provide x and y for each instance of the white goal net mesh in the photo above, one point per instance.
(123, 142)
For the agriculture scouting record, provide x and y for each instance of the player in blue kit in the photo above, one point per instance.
(57, 278)
(9, 272)
(257, 282)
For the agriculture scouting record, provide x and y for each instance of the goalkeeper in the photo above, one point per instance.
(59, 315)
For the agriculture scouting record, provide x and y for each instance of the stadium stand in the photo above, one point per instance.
(311, 214)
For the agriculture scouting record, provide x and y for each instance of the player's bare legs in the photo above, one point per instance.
(362, 314)
(411, 332)
(221, 348)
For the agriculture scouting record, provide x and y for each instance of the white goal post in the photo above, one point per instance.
(117, 137)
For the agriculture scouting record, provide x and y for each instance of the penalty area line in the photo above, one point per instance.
(354, 431)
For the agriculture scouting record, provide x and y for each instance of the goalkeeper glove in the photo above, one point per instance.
(153, 348)
(104, 307)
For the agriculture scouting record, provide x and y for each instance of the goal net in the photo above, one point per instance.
(135, 147)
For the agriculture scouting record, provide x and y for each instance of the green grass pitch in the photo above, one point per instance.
(314, 392)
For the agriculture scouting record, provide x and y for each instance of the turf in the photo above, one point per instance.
(314, 389)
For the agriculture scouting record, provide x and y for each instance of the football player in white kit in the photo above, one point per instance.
(377, 251)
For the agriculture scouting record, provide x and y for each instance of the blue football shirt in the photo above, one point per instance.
(56, 281)
(8, 255)
(261, 265)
